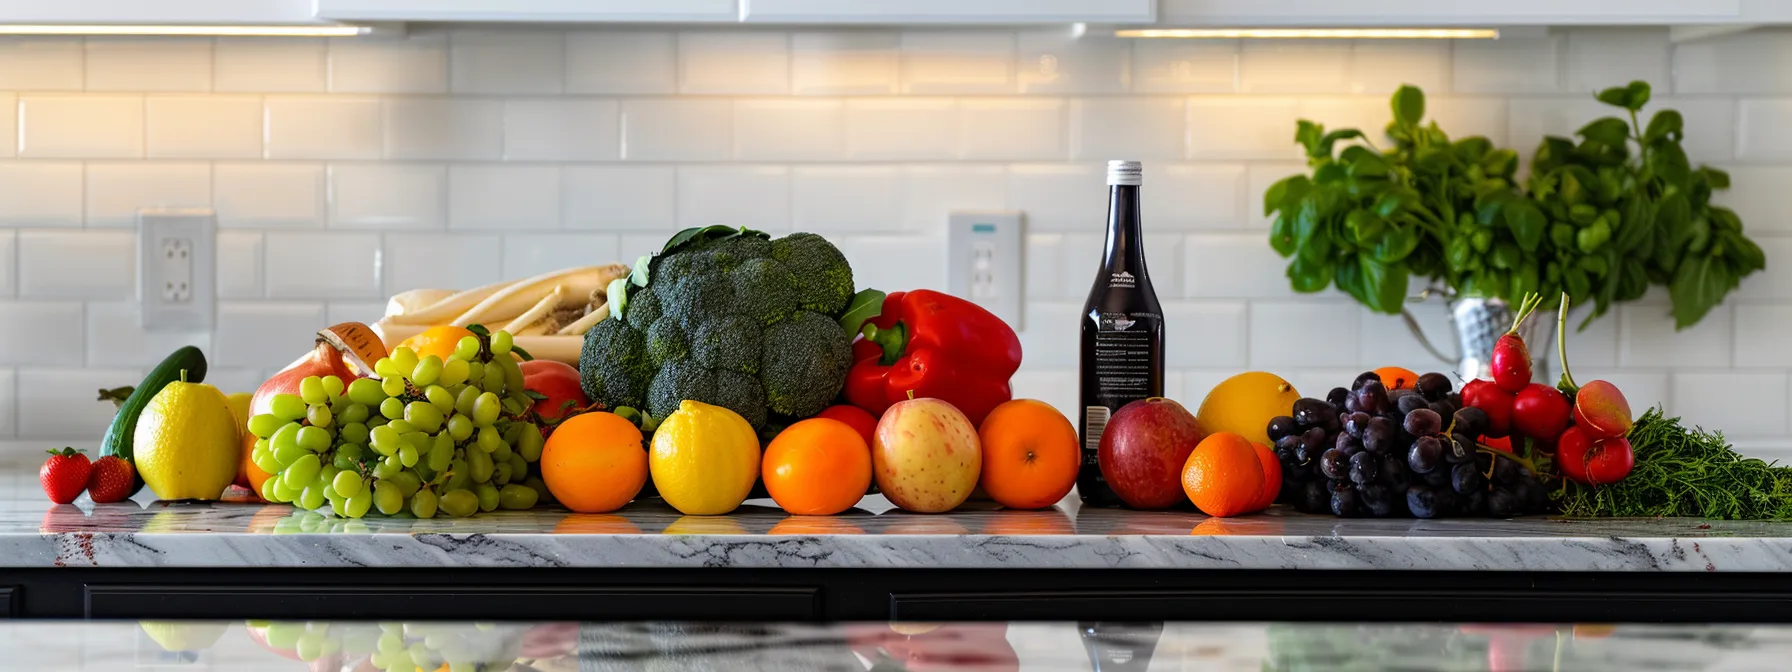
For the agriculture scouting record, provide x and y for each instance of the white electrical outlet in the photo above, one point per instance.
(175, 269)
(983, 261)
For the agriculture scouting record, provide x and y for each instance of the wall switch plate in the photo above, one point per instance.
(983, 261)
(176, 269)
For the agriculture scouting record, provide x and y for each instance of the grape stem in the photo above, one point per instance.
(1526, 463)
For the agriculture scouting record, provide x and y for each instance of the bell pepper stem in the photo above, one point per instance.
(893, 340)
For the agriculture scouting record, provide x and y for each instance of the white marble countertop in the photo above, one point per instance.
(148, 533)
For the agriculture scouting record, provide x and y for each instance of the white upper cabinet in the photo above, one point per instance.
(598, 11)
(163, 12)
(1439, 13)
(947, 11)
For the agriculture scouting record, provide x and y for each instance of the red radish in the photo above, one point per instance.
(1511, 360)
(1540, 412)
(1583, 460)
(1600, 409)
(1493, 401)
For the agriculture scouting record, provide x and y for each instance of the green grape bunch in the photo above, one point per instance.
(421, 435)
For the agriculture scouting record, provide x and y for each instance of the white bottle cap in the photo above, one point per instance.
(1124, 173)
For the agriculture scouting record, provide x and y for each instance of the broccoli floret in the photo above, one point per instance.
(614, 365)
(824, 279)
(804, 364)
(729, 318)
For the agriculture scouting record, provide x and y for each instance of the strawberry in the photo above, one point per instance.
(111, 480)
(64, 475)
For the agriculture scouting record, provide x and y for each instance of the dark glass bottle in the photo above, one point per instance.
(1122, 349)
(1120, 647)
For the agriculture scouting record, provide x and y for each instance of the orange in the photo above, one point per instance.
(1223, 476)
(815, 525)
(1272, 476)
(594, 463)
(1396, 378)
(595, 523)
(1030, 454)
(439, 341)
(1020, 523)
(817, 467)
(248, 474)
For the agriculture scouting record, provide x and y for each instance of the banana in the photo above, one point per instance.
(519, 297)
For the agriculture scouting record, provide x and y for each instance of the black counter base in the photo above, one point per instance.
(722, 594)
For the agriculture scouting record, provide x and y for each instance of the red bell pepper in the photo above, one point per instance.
(929, 344)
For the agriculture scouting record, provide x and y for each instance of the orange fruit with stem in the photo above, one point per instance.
(594, 462)
(817, 467)
(1030, 454)
(1397, 378)
(1223, 476)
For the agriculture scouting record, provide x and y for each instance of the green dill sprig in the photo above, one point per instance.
(1684, 472)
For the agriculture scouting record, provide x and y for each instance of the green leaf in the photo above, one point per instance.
(1748, 255)
(1332, 138)
(1363, 226)
(1393, 203)
(1506, 256)
(1396, 244)
(1698, 286)
(1432, 159)
(866, 304)
(1668, 161)
(1472, 149)
(1526, 222)
(1281, 234)
(1488, 207)
(1725, 219)
(703, 234)
(1717, 179)
(1665, 125)
(1610, 131)
(1673, 216)
(1285, 190)
(1500, 162)
(643, 266)
(1637, 225)
(1408, 104)
(617, 294)
(1553, 152)
(1332, 172)
(1525, 280)
(1384, 285)
(1612, 96)
(1364, 162)
(1308, 134)
(1308, 277)
(1636, 95)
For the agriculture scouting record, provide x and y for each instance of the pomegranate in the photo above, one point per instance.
(347, 351)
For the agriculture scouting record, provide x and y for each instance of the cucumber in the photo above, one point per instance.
(118, 435)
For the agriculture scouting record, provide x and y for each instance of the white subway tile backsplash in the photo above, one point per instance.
(1776, 281)
(1131, 128)
(1381, 66)
(1646, 337)
(40, 193)
(733, 63)
(1519, 65)
(442, 261)
(264, 335)
(957, 62)
(844, 63)
(1761, 130)
(677, 130)
(1043, 254)
(1293, 66)
(1710, 125)
(531, 254)
(1184, 66)
(843, 199)
(61, 404)
(149, 64)
(1048, 337)
(1055, 387)
(271, 65)
(1259, 177)
(1385, 340)
(1732, 64)
(41, 333)
(930, 193)
(1059, 197)
(756, 197)
(896, 262)
(903, 128)
(41, 64)
(1598, 58)
(789, 129)
(116, 191)
(1596, 347)
(337, 312)
(9, 125)
(1736, 402)
(239, 265)
(1462, 117)
(9, 424)
(268, 194)
(619, 197)
(1529, 120)
(68, 264)
(1761, 331)
(547, 129)
(1055, 61)
(204, 127)
(337, 127)
(1229, 265)
(621, 62)
(316, 265)
(388, 197)
(116, 338)
(65, 126)
(1206, 334)
(416, 63)
(9, 242)
(1753, 194)
(444, 129)
(507, 61)
(1014, 129)
(1192, 196)
(1241, 128)
(504, 197)
(1302, 333)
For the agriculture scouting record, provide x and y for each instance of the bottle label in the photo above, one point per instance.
(1095, 418)
(1122, 280)
(1122, 357)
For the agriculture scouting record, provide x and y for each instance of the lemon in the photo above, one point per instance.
(239, 409)
(1245, 403)
(704, 459)
(187, 442)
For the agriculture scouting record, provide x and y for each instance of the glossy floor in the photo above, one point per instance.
(982, 647)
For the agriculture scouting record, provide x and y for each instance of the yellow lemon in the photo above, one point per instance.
(187, 442)
(1245, 403)
(704, 459)
(239, 409)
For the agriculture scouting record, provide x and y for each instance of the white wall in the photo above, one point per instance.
(345, 170)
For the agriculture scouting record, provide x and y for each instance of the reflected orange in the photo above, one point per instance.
(815, 525)
(906, 523)
(595, 523)
(1040, 521)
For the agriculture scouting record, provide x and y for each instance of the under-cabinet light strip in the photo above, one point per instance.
(232, 31)
(1333, 33)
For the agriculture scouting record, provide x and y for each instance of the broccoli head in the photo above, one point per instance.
(731, 318)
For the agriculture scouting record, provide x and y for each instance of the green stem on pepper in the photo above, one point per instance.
(893, 340)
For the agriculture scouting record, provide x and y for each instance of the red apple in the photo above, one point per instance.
(925, 456)
(558, 382)
(1143, 450)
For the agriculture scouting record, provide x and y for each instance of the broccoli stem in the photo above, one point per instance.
(893, 340)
